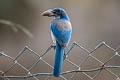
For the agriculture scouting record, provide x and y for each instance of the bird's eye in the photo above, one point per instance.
(58, 10)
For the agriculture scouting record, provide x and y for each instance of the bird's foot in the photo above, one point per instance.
(54, 46)
(65, 56)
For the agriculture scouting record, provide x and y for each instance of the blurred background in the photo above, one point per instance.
(93, 21)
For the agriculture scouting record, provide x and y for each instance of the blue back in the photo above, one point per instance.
(62, 31)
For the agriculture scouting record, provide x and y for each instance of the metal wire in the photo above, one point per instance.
(78, 67)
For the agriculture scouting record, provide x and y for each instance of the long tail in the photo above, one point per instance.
(58, 60)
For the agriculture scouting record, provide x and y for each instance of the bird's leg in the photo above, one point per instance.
(71, 47)
(64, 56)
(54, 46)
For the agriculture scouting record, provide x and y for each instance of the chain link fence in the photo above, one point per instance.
(101, 63)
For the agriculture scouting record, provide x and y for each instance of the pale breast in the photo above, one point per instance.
(62, 24)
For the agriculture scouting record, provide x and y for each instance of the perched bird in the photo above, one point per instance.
(61, 31)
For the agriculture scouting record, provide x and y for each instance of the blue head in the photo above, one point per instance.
(57, 13)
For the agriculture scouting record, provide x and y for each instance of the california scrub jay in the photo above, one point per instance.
(61, 31)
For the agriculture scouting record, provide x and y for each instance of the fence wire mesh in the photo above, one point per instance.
(101, 63)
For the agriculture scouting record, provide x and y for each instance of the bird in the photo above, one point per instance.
(61, 30)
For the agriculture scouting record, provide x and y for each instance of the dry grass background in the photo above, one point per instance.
(93, 21)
